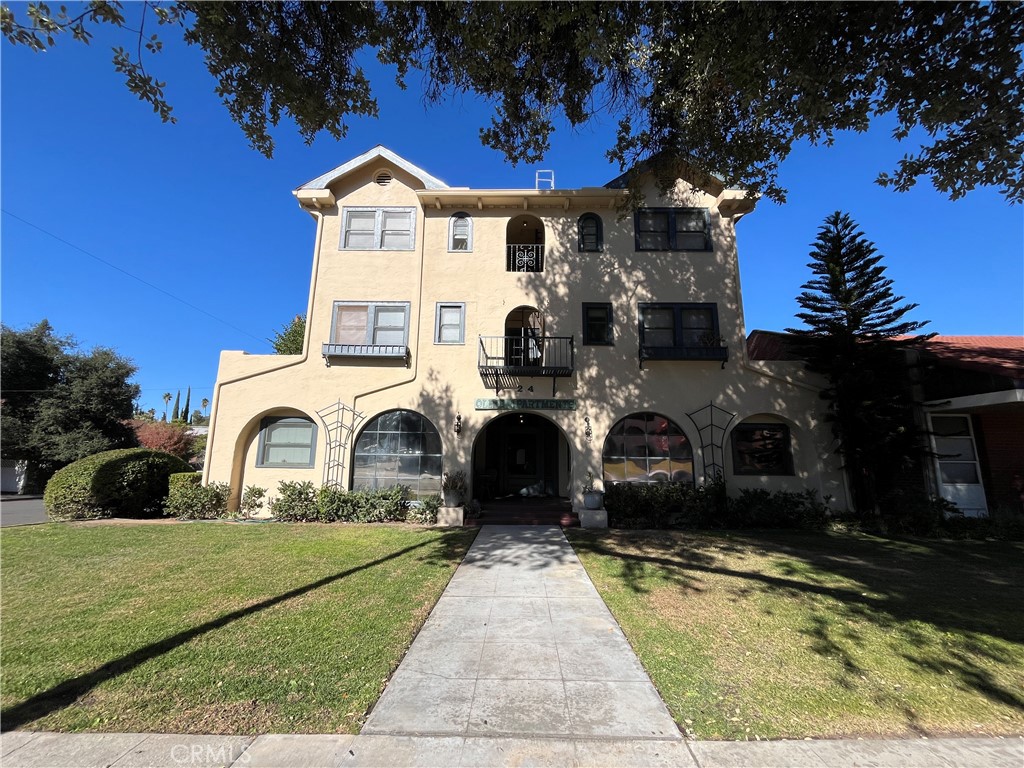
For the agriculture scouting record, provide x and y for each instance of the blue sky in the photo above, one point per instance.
(224, 252)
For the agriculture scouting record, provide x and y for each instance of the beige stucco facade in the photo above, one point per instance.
(443, 381)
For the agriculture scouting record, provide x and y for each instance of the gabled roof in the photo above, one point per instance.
(379, 152)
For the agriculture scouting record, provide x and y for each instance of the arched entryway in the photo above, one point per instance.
(521, 457)
(524, 244)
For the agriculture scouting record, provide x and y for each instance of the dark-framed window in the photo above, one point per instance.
(590, 233)
(680, 331)
(672, 229)
(761, 449)
(597, 324)
(398, 448)
(287, 441)
(647, 448)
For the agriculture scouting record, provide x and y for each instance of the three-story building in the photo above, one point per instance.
(527, 337)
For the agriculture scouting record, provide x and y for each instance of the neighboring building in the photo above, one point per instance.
(526, 336)
(12, 475)
(971, 390)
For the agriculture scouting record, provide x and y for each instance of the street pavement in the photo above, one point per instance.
(21, 510)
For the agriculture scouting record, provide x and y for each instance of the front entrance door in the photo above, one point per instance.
(957, 466)
(520, 455)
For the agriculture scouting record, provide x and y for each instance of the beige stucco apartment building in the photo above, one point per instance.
(526, 336)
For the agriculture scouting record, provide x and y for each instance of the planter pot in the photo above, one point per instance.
(594, 518)
(452, 498)
(449, 516)
(593, 500)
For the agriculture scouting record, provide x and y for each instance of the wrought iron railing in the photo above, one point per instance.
(527, 355)
(524, 258)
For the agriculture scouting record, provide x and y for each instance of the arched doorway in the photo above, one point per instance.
(524, 334)
(521, 456)
(524, 244)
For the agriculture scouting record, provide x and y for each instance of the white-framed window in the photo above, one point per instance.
(378, 229)
(370, 323)
(286, 441)
(450, 323)
(460, 233)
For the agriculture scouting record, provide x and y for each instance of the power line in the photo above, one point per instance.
(133, 277)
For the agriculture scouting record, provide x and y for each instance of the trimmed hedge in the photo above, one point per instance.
(127, 482)
(189, 499)
(302, 502)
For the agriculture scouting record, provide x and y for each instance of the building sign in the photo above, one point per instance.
(525, 405)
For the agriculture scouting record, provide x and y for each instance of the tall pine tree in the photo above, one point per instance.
(855, 335)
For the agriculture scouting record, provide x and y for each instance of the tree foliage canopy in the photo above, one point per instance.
(726, 88)
(61, 404)
(288, 340)
(853, 334)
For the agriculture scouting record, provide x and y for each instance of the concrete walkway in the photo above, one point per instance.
(519, 664)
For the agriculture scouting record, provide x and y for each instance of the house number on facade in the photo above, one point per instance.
(520, 405)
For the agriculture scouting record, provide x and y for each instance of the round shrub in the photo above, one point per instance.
(128, 482)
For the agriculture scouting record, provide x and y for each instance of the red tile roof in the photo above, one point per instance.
(998, 355)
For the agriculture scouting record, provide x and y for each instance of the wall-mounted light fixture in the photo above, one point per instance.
(588, 432)
(457, 427)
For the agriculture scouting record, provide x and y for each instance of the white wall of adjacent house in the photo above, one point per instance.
(393, 268)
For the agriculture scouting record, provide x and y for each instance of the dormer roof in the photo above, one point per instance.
(379, 152)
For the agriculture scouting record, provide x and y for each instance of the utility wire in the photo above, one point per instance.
(133, 277)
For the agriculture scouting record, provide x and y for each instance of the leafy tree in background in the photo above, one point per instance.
(854, 335)
(61, 404)
(721, 87)
(288, 340)
(171, 438)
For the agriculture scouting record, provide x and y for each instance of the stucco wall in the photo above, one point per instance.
(442, 381)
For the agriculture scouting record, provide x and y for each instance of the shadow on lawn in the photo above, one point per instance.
(69, 691)
(969, 588)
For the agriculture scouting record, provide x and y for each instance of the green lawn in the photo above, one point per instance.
(792, 635)
(211, 627)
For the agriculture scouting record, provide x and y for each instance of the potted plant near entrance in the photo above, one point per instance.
(453, 486)
(593, 514)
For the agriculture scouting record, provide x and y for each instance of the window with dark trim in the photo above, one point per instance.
(647, 448)
(398, 448)
(286, 441)
(761, 449)
(597, 324)
(672, 229)
(591, 233)
(680, 331)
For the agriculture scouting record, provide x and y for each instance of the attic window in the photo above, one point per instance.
(383, 178)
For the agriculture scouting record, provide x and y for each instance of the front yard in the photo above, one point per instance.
(210, 627)
(803, 634)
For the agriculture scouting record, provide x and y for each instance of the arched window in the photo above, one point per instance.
(647, 448)
(591, 233)
(460, 232)
(398, 448)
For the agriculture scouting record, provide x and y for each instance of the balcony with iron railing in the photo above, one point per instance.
(504, 359)
(524, 258)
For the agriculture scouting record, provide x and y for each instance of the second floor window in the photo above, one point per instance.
(460, 232)
(591, 236)
(672, 229)
(597, 324)
(680, 331)
(378, 229)
(371, 324)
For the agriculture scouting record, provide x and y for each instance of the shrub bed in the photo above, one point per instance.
(127, 482)
(303, 503)
(189, 499)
